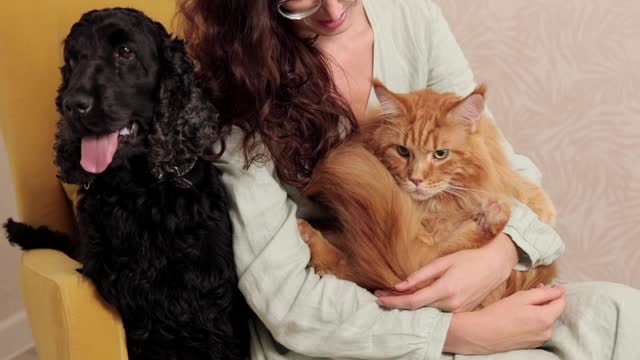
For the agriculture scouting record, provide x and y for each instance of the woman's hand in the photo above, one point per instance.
(523, 320)
(461, 280)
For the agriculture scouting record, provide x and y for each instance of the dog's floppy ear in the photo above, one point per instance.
(183, 129)
(65, 73)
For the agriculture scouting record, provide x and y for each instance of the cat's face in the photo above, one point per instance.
(427, 141)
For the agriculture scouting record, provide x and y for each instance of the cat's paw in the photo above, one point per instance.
(308, 234)
(323, 255)
(426, 238)
(493, 216)
(320, 271)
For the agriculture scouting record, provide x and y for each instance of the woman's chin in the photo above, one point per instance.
(332, 28)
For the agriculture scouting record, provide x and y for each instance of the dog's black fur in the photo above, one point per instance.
(155, 235)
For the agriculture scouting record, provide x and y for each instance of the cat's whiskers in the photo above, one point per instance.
(424, 191)
(440, 195)
(466, 189)
(455, 193)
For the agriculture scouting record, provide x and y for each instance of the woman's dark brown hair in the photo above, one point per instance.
(266, 80)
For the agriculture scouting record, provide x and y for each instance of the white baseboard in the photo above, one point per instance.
(15, 335)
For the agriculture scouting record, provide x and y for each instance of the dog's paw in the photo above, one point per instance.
(15, 231)
(9, 226)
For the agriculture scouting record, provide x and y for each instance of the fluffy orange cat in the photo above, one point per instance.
(427, 177)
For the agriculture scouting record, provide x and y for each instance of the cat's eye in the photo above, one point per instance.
(403, 151)
(125, 53)
(441, 154)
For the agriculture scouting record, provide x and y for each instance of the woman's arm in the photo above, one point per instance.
(523, 320)
(323, 317)
(450, 71)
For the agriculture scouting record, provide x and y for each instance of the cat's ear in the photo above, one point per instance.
(391, 106)
(470, 109)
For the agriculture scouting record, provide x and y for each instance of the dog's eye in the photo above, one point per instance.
(125, 53)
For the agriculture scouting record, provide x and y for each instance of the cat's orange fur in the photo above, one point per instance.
(389, 226)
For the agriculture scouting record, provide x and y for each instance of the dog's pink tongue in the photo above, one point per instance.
(97, 152)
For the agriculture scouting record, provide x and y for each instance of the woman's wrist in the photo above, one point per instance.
(459, 337)
(506, 249)
(453, 341)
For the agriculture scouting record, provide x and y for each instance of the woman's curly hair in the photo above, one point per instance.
(269, 82)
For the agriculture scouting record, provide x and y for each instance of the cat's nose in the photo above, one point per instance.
(415, 181)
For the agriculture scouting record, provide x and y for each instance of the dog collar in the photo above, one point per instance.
(177, 174)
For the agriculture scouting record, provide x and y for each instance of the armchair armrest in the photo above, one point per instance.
(68, 318)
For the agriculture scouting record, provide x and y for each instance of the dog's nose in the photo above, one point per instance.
(78, 104)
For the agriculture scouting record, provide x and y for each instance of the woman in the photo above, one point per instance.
(291, 80)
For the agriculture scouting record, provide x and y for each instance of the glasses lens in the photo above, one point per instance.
(298, 9)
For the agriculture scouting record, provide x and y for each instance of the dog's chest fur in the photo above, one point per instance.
(125, 220)
(173, 243)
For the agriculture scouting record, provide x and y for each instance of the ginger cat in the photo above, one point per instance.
(425, 179)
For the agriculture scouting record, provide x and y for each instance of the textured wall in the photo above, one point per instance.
(564, 85)
(15, 334)
(9, 257)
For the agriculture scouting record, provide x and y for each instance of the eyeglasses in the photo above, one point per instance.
(298, 9)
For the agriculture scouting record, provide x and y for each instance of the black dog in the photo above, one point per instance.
(155, 236)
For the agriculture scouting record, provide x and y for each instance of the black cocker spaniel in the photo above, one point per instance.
(155, 235)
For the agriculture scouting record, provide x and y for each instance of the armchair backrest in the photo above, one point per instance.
(31, 34)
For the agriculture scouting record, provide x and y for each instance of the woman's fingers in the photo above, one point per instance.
(382, 293)
(542, 295)
(556, 307)
(421, 298)
(430, 272)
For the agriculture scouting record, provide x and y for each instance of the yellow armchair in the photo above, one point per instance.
(68, 318)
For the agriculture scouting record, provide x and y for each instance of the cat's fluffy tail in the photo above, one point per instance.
(379, 221)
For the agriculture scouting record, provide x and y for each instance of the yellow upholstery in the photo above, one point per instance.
(68, 319)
